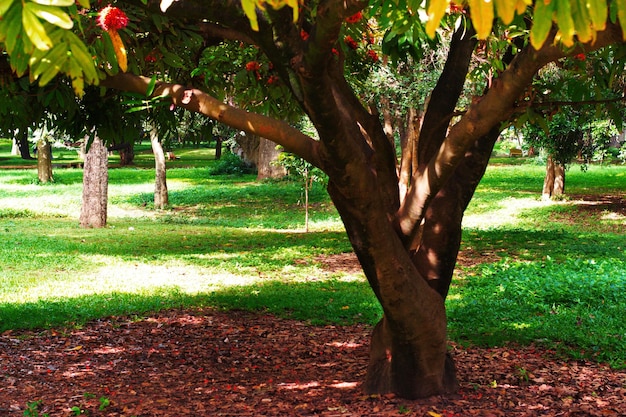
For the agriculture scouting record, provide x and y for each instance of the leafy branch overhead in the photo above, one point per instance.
(45, 38)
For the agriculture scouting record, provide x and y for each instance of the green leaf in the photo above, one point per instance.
(565, 22)
(34, 29)
(53, 15)
(58, 3)
(12, 26)
(481, 13)
(249, 8)
(542, 22)
(598, 13)
(582, 21)
(4, 6)
(151, 86)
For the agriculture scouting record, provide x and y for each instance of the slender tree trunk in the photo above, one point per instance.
(21, 145)
(161, 195)
(218, 147)
(95, 186)
(44, 161)
(559, 180)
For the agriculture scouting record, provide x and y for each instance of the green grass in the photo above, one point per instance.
(544, 273)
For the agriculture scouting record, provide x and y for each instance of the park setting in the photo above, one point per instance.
(316, 208)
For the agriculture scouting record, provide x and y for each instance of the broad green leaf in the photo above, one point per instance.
(4, 6)
(621, 15)
(435, 10)
(53, 15)
(82, 56)
(11, 25)
(506, 10)
(542, 22)
(249, 8)
(481, 13)
(582, 21)
(34, 29)
(598, 13)
(58, 3)
(565, 22)
(55, 58)
(85, 3)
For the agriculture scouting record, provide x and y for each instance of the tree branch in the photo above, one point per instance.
(485, 113)
(198, 101)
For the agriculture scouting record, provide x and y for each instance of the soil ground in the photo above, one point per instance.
(212, 363)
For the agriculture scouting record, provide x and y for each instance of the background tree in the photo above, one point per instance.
(406, 246)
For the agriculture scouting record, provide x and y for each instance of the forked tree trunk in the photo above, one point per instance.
(554, 181)
(44, 161)
(95, 186)
(161, 195)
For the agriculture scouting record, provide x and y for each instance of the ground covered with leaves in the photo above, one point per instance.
(211, 363)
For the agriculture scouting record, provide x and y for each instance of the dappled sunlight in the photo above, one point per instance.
(506, 215)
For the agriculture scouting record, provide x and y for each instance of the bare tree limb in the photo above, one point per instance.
(198, 101)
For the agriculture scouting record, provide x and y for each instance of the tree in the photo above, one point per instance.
(407, 246)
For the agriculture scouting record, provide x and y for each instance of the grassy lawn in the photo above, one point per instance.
(533, 272)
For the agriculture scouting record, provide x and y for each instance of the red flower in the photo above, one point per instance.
(273, 79)
(304, 35)
(253, 66)
(150, 58)
(351, 42)
(371, 54)
(112, 18)
(355, 17)
(580, 57)
(335, 51)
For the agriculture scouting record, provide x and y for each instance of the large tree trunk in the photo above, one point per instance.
(95, 186)
(266, 161)
(161, 196)
(44, 161)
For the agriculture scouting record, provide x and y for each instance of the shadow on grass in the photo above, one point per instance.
(319, 302)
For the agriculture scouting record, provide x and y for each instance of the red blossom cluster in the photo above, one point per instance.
(150, 58)
(253, 66)
(580, 57)
(304, 35)
(112, 18)
(350, 42)
(355, 17)
(371, 54)
(456, 8)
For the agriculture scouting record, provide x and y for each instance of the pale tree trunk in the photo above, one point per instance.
(266, 161)
(559, 180)
(161, 195)
(44, 161)
(95, 186)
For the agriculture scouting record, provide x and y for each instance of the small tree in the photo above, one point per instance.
(306, 173)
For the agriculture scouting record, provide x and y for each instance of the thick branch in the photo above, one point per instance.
(198, 101)
(484, 114)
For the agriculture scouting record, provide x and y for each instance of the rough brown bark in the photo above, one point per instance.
(44, 161)
(127, 154)
(554, 181)
(95, 186)
(161, 195)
